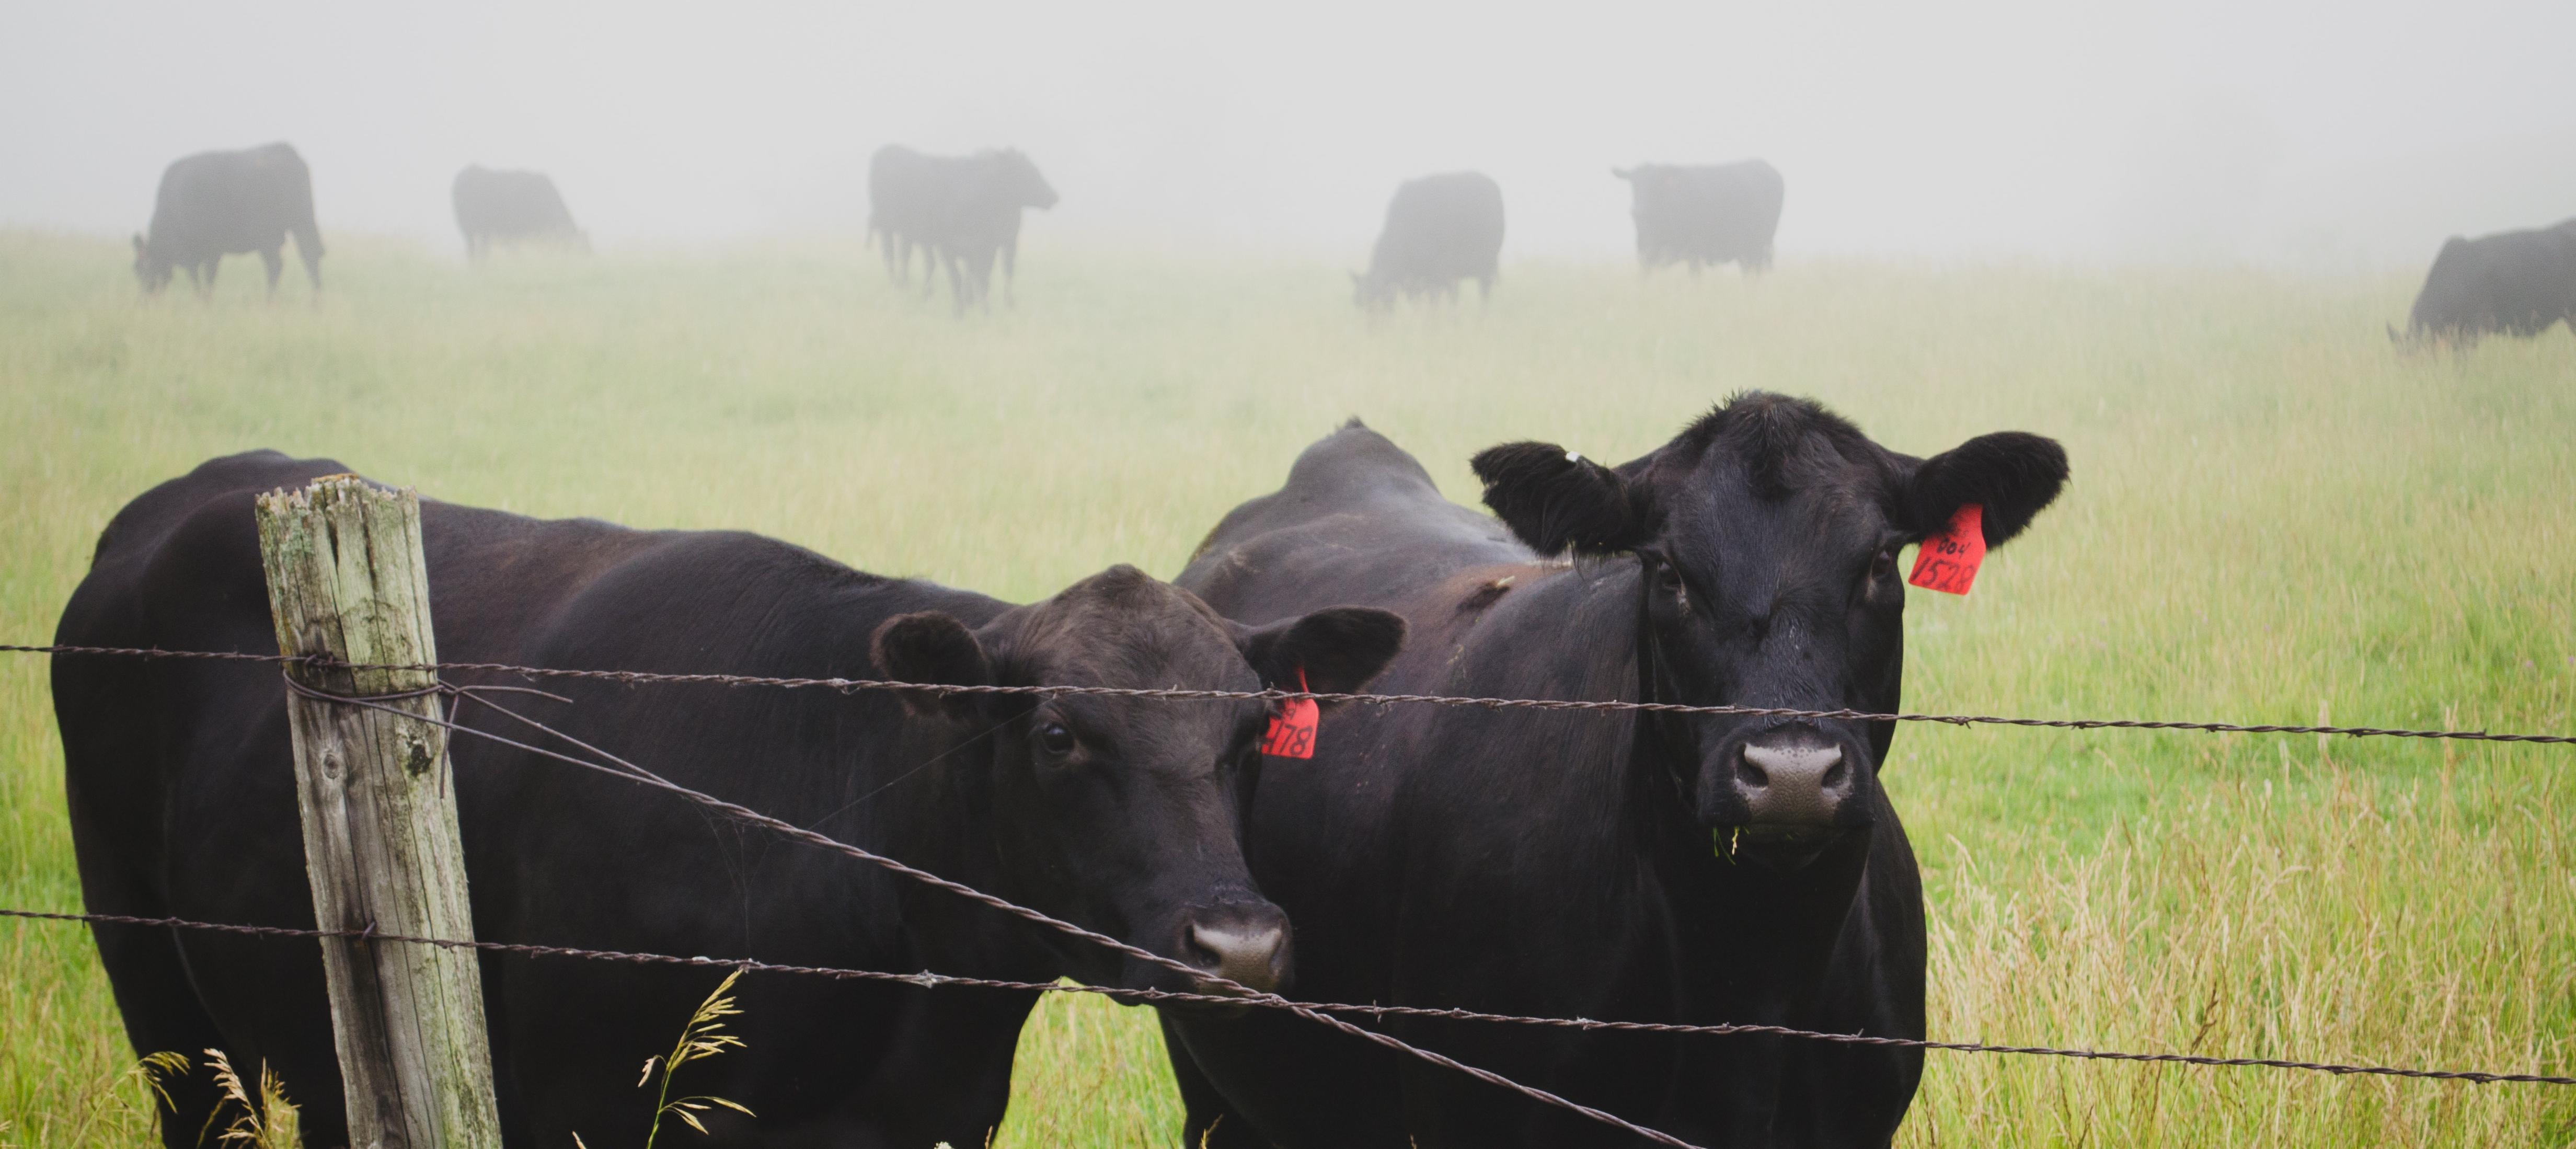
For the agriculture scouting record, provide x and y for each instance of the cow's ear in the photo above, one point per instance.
(933, 648)
(2012, 474)
(1339, 649)
(1555, 499)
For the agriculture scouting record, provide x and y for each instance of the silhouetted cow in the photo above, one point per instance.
(1638, 867)
(1439, 229)
(961, 211)
(1118, 814)
(1718, 213)
(215, 204)
(495, 207)
(2516, 282)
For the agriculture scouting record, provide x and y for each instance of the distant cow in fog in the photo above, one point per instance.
(215, 204)
(2518, 282)
(511, 207)
(962, 212)
(1701, 215)
(1439, 229)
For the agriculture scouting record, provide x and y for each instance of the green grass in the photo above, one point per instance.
(2274, 517)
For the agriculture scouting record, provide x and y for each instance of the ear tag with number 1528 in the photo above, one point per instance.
(1292, 730)
(1947, 561)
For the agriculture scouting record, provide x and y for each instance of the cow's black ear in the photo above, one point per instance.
(931, 648)
(1555, 499)
(1339, 649)
(2013, 474)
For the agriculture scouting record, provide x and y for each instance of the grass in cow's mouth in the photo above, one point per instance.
(2273, 513)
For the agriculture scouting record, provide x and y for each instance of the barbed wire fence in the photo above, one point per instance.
(1232, 994)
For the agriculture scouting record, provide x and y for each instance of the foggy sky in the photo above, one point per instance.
(2325, 135)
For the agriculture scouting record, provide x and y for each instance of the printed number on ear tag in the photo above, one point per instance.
(1292, 730)
(1948, 561)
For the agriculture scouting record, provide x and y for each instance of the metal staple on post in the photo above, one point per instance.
(349, 590)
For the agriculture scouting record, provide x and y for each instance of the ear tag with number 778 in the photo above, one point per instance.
(1292, 730)
(1948, 561)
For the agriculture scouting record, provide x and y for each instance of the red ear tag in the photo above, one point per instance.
(1947, 561)
(1292, 730)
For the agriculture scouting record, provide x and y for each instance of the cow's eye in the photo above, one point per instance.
(1669, 579)
(1884, 564)
(1055, 739)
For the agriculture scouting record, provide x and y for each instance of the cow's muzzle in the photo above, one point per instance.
(1783, 795)
(1242, 942)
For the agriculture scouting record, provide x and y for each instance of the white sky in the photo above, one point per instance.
(2323, 134)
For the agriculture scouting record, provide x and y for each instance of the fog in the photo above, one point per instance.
(2311, 134)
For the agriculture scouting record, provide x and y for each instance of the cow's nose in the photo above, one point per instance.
(1242, 945)
(1794, 781)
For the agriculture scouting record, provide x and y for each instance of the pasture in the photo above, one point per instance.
(2274, 517)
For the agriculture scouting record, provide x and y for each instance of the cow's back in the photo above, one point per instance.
(2519, 282)
(1358, 505)
(509, 205)
(1440, 228)
(223, 203)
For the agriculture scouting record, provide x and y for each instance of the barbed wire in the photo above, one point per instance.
(1238, 995)
(929, 980)
(855, 685)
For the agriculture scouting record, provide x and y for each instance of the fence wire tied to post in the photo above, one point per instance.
(855, 685)
(928, 980)
(617, 767)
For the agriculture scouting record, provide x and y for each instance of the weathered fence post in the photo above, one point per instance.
(347, 581)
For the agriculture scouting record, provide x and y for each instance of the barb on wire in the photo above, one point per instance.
(855, 685)
(928, 980)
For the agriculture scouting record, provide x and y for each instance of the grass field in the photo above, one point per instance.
(2274, 517)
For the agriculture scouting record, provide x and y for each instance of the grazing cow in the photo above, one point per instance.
(1439, 229)
(1639, 867)
(1117, 814)
(511, 207)
(2517, 282)
(962, 212)
(215, 204)
(1711, 214)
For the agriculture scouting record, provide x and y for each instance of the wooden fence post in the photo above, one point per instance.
(347, 580)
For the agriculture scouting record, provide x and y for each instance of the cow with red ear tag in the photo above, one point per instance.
(1119, 814)
(1645, 867)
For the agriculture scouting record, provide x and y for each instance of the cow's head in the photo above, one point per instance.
(2453, 288)
(153, 270)
(1122, 814)
(1020, 176)
(1766, 537)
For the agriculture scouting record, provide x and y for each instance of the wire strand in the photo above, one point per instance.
(855, 685)
(928, 980)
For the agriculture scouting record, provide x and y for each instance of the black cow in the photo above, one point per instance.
(1439, 229)
(961, 211)
(1117, 814)
(1646, 868)
(2518, 282)
(1703, 215)
(495, 207)
(215, 204)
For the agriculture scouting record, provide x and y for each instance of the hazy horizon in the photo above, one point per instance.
(2302, 134)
